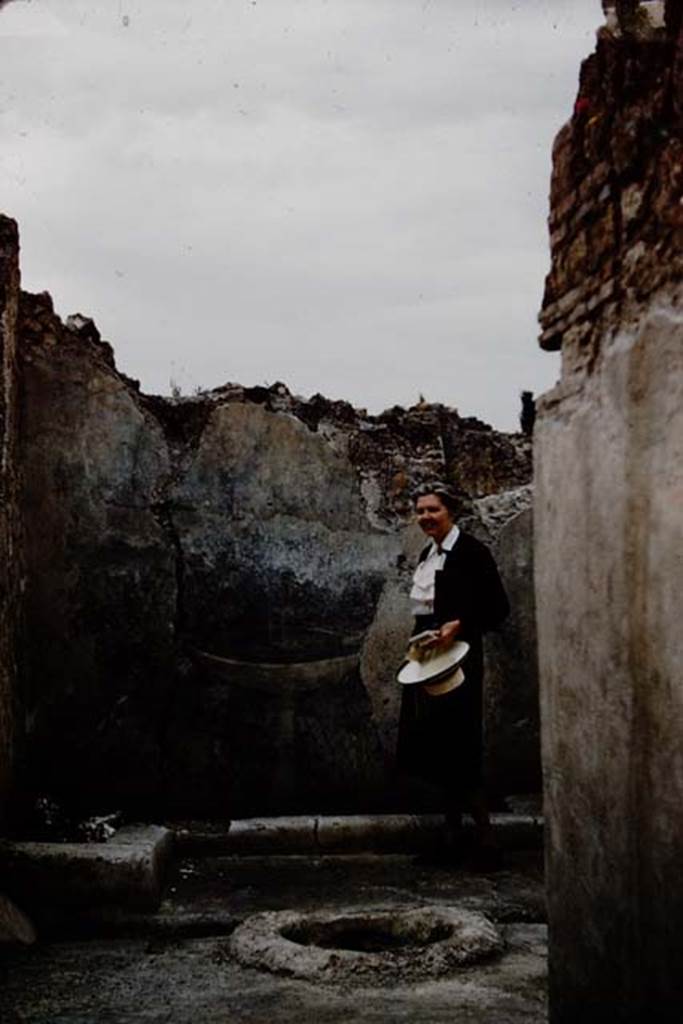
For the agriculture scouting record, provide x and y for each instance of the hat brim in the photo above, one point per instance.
(436, 668)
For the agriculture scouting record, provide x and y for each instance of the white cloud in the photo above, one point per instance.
(26, 21)
(349, 195)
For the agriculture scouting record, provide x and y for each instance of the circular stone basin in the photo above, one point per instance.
(380, 946)
(365, 936)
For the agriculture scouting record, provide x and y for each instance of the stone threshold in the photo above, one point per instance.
(323, 835)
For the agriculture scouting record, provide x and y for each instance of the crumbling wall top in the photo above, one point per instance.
(616, 218)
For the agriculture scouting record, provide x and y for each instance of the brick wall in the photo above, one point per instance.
(616, 219)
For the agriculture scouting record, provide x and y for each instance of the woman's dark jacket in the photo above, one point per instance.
(469, 588)
(440, 738)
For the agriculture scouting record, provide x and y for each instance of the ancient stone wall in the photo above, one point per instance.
(178, 548)
(100, 563)
(609, 537)
(9, 567)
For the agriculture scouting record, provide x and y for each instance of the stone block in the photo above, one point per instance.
(53, 879)
(631, 201)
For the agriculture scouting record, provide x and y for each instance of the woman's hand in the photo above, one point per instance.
(441, 639)
(448, 632)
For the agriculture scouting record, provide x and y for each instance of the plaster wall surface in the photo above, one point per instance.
(609, 540)
(610, 551)
(511, 714)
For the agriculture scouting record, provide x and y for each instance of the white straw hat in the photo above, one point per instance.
(433, 666)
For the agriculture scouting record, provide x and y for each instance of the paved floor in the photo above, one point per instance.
(176, 966)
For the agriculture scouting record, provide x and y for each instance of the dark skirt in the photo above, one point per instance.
(440, 737)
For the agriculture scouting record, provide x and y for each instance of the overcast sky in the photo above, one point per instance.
(346, 195)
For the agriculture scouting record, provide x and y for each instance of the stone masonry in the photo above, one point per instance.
(609, 533)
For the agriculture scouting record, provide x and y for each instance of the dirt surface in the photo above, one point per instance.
(177, 967)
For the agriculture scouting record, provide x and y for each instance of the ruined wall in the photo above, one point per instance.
(9, 568)
(100, 563)
(609, 538)
(177, 548)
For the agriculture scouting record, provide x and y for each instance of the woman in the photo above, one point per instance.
(456, 592)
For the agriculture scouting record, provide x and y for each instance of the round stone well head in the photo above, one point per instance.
(375, 947)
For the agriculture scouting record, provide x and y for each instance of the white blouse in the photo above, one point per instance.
(422, 591)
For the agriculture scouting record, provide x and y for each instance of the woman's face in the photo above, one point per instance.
(433, 517)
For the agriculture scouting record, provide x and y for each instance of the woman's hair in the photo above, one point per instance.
(445, 495)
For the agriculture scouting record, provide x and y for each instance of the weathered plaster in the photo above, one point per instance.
(609, 543)
(512, 720)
